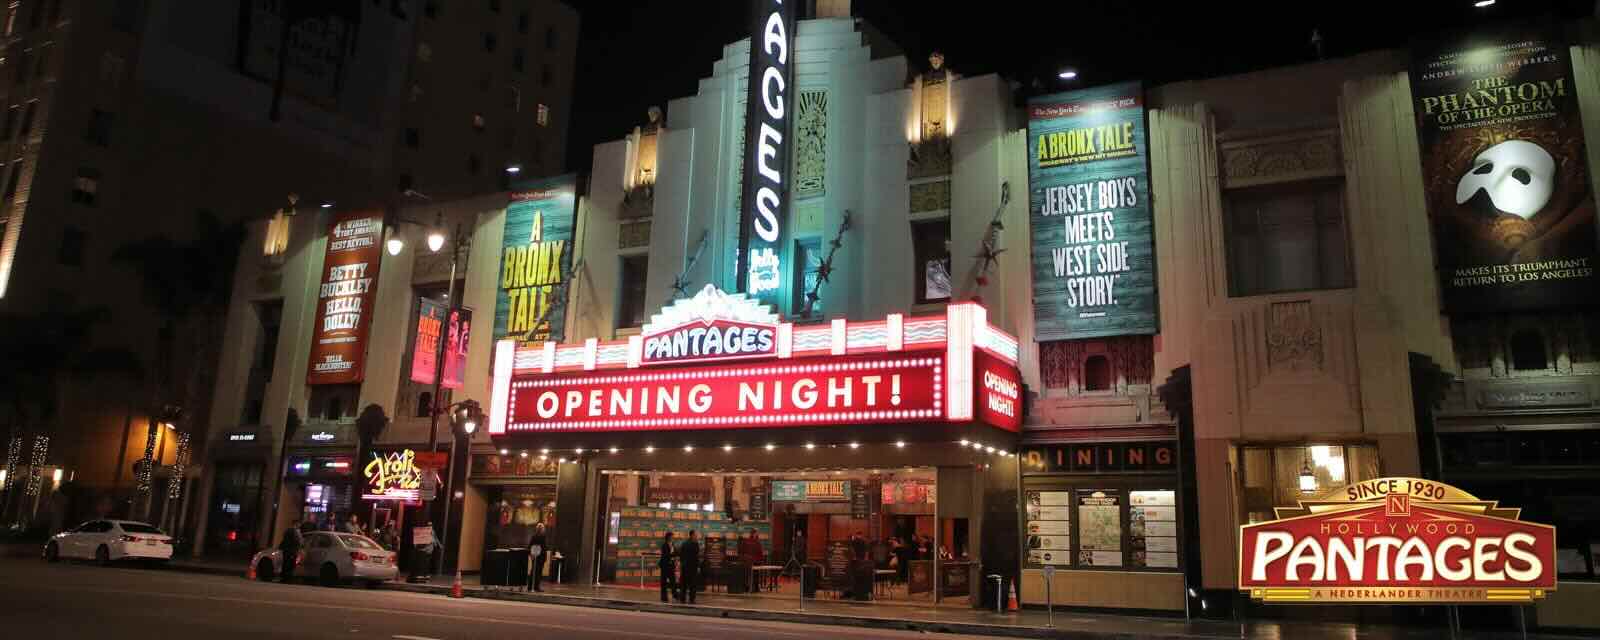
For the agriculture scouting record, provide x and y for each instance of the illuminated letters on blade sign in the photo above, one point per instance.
(766, 151)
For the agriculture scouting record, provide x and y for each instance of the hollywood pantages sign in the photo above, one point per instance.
(1397, 540)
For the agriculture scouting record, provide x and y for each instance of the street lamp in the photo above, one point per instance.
(465, 416)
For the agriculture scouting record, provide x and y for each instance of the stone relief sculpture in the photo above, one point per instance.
(639, 169)
(930, 145)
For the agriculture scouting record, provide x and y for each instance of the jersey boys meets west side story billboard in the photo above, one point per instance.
(1089, 203)
(535, 260)
(1505, 172)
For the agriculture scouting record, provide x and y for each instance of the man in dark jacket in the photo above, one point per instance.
(290, 548)
(537, 549)
(669, 582)
(689, 556)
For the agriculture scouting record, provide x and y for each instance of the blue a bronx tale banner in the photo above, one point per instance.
(1089, 205)
(536, 259)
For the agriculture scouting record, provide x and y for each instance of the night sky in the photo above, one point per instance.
(637, 53)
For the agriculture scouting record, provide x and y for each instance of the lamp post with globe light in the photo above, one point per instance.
(465, 416)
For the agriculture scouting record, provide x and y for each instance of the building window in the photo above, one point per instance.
(72, 242)
(517, 60)
(430, 9)
(100, 123)
(1281, 476)
(1527, 351)
(86, 186)
(125, 17)
(16, 176)
(543, 116)
(550, 37)
(513, 99)
(523, 21)
(27, 120)
(490, 42)
(333, 402)
(111, 67)
(930, 240)
(12, 116)
(1097, 374)
(630, 308)
(546, 76)
(474, 163)
(424, 403)
(1287, 237)
(808, 255)
(20, 70)
(494, 5)
(413, 137)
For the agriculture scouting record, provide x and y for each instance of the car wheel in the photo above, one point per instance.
(102, 556)
(264, 571)
(52, 553)
(330, 575)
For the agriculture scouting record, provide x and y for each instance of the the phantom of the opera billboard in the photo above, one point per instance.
(1504, 170)
(1397, 540)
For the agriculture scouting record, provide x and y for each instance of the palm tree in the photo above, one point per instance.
(187, 285)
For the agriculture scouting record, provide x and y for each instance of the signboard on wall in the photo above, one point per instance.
(425, 349)
(1505, 171)
(346, 298)
(764, 215)
(392, 475)
(1089, 206)
(836, 390)
(1397, 540)
(1100, 457)
(536, 259)
(999, 389)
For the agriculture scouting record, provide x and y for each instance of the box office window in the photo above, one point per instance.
(1281, 476)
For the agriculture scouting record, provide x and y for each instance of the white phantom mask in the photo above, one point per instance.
(1519, 177)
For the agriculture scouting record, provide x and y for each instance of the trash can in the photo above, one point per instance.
(812, 575)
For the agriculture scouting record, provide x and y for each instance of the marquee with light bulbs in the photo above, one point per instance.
(722, 360)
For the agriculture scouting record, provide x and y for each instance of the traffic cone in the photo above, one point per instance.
(1011, 601)
(455, 588)
(250, 572)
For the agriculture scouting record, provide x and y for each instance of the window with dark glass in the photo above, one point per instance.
(930, 240)
(630, 306)
(431, 9)
(100, 124)
(1096, 373)
(73, 240)
(808, 256)
(523, 20)
(550, 37)
(490, 42)
(125, 16)
(474, 163)
(1527, 351)
(517, 60)
(86, 186)
(494, 5)
(1286, 237)
(546, 76)
(424, 403)
(413, 137)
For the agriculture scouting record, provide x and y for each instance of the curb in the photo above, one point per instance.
(184, 567)
(765, 615)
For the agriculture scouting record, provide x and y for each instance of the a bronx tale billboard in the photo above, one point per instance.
(1089, 202)
(764, 218)
(345, 298)
(536, 259)
(1504, 171)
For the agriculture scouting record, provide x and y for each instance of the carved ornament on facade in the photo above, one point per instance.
(1294, 338)
(1281, 159)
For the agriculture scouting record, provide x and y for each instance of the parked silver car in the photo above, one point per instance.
(332, 558)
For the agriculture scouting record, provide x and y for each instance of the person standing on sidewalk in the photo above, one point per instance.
(290, 548)
(669, 582)
(537, 547)
(689, 556)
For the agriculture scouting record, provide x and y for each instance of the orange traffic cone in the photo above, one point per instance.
(250, 572)
(455, 589)
(1011, 601)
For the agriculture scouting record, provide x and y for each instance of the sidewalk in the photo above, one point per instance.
(925, 617)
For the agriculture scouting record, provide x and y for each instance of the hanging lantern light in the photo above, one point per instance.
(1308, 478)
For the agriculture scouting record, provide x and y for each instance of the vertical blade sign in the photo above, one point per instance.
(766, 152)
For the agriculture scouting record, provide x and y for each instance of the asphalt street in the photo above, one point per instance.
(70, 600)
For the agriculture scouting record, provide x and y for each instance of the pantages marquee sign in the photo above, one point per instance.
(1395, 540)
(726, 361)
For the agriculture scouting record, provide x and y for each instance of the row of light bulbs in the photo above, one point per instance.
(544, 453)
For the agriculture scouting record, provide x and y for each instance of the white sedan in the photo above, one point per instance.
(332, 558)
(107, 541)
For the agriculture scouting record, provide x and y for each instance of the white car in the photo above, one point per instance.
(332, 558)
(107, 541)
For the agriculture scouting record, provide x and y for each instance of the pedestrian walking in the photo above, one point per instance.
(667, 564)
(536, 552)
(290, 548)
